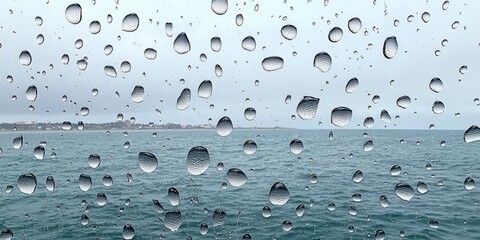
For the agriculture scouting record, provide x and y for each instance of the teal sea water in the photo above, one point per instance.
(57, 215)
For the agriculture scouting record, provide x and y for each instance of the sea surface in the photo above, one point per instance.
(447, 211)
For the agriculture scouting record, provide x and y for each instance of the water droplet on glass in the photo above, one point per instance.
(25, 58)
(84, 182)
(31, 93)
(472, 134)
(287, 225)
(181, 45)
(39, 152)
(354, 25)
(385, 116)
(279, 194)
(216, 44)
(404, 102)
(236, 177)
(107, 181)
(219, 217)
(368, 122)
(147, 162)
(94, 27)
(395, 170)
(307, 107)
(433, 223)
(335, 34)
(445, 5)
(38, 20)
(130, 22)
(249, 43)
(379, 235)
(368, 146)
(27, 183)
(40, 39)
(266, 212)
(426, 17)
(463, 69)
(173, 220)
(438, 107)
(82, 64)
(205, 89)
(84, 219)
(300, 210)
(296, 146)
(138, 94)
(322, 61)
(239, 20)
(6, 234)
(436, 85)
(383, 201)
(455, 25)
(128, 231)
(272, 63)
(108, 49)
(101, 199)
(150, 53)
(110, 71)
(352, 84)
(73, 13)
(404, 191)
(469, 183)
(357, 176)
(50, 184)
(173, 196)
(331, 207)
(183, 101)
(224, 126)
(17, 142)
(250, 113)
(289, 32)
(390, 47)
(94, 160)
(341, 116)
(219, 7)
(198, 160)
(66, 125)
(422, 187)
(249, 147)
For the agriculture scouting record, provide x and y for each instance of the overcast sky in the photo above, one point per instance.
(355, 55)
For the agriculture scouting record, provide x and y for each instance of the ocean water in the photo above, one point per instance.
(56, 215)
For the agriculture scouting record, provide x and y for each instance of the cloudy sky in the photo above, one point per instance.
(420, 58)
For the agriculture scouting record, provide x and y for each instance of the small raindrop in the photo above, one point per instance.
(352, 84)
(203, 228)
(219, 217)
(390, 47)
(368, 122)
(307, 107)
(296, 146)
(287, 225)
(279, 194)
(169, 29)
(94, 27)
(341, 116)
(31, 93)
(288, 99)
(84, 182)
(94, 160)
(239, 20)
(198, 160)
(445, 5)
(433, 223)
(379, 235)
(130, 22)
(300, 210)
(354, 25)
(357, 176)
(368, 146)
(50, 184)
(173, 220)
(101, 199)
(249, 43)
(73, 13)
(250, 113)
(469, 183)
(40, 39)
(472, 134)
(322, 61)
(6, 234)
(438, 107)
(224, 126)
(147, 162)
(128, 231)
(385, 116)
(150, 53)
(395, 170)
(107, 181)
(183, 101)
(125, 66)
(181, 45)
(108, 49)
(404, 191)
(173, 196)
(205, 89)
(27, 183)
(289, 32)
(426, 17)
(39, 152)
(436, 85)
(266, 212)
(463, 69)
(25, 58)
(422, 187)
(17, 142)
(383, 201)
(236, 177)
(138, 94)
(219, 7)
(335, 34)
(216, 44)
(110, 71)
(249, 147)
(272, 63)
(404, 102)
(38, 21)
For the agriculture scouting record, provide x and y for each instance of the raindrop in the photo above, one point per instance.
(379, 235)
(94, 27)
(109, 18)
(438, 107)
(436, 85)
(322, 61)
(107, 181)
(383, 201)
(181, 45)
(84, 219)
(138, 94)
(433, 223)
(249, 43)
(236, 177)
(17, 142)
(426, 17)
(287, 225)
(354, 25)
(205, 89)
(183, 101)
(472, 134)
(249, 147)
(50, 184)
(66, 125)
(150, 53)
(31, 93)
(6, 234)
(307, 107)
(368, 146)
(266, 212)
(39, 152)
(173, 196)
(357, 176)
(218, 70)
(110, 71)
(73, 13)
(422, 187)
(445, 5)
(403, 102)
(335, 34)
(404, 191)
(239, 20)
(455, 25)
(272, 63)
(130, 22)
(352, 84)
(173, 220)
(385, 116)
(82, 64)
(463, 69)
(27, 183)
(25, 58)
(279, 194)
(125, 66)
(395, 170)
(203, 228)
(94, 160)
(38, 21)
(390, 47)
(198, 160)
(84, 111)
(169, 29)
(341, 116)
(108, 49)
(158, 207)
(147, 162)
(224, 126)
(216, 44)
(40, 39)
(469, 183)
(84, 182)
(300, 210)
(331, 207)
(101, 199)
(219, 7)
(296, 146)
(219, 217)
(289, 32)
(128, 231)
(288, 99)
(129, 178)
(250, 113)
(368, 122)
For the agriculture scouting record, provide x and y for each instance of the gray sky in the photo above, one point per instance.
(414, 65)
